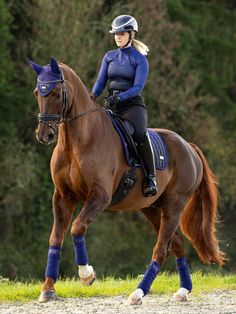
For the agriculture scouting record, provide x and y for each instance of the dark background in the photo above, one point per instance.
(191, 89)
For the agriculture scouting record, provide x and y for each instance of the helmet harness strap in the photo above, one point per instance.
(129, 40)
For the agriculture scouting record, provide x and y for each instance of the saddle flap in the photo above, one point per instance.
(129, 127)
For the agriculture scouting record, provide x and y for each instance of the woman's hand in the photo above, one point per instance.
(112, 100)
(93, 96)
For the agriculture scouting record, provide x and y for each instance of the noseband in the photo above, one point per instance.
(60, 118)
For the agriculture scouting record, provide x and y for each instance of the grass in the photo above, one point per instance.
(12, 291)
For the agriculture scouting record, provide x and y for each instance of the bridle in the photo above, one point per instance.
(61, 117)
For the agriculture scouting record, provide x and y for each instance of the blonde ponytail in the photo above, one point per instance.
(141, 47)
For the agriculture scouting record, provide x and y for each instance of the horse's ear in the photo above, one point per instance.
(54, 66)
(36, 67)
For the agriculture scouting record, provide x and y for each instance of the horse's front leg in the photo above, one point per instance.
(96, 202)
(63, 209)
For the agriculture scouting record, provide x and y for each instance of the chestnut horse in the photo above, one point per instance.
(87, 165)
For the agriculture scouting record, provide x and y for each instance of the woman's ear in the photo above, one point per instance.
(133, 34)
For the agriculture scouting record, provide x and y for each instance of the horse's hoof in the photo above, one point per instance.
(89, 280)
(180, 298)
(136, 298)
(181, 295)
(46, 296)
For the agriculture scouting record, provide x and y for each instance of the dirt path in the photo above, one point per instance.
(213, 303)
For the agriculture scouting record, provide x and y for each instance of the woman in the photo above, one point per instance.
(126, 68)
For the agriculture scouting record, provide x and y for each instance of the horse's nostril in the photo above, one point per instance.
(50, 136)
(48, 139)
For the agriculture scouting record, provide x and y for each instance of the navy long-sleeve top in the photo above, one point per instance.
(126, 69)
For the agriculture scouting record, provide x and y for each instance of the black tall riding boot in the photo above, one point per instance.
(146, 154)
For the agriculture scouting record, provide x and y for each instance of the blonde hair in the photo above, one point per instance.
(141, 47)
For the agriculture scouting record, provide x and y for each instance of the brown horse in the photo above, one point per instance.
(87, 165)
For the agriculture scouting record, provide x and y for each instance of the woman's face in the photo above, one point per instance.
(121, 39)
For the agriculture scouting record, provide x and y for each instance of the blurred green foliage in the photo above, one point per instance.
(191, 89)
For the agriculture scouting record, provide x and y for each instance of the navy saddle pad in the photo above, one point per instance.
(158, 145)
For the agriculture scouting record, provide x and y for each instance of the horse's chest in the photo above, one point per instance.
(73, 176)
(68, 178)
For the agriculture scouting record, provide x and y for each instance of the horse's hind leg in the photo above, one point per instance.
(62, 212)
(171, 211)
(153, 214)
(177, 248)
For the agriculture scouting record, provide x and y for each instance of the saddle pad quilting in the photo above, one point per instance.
(159, 150)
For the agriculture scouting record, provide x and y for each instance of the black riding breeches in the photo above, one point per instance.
(135, 112)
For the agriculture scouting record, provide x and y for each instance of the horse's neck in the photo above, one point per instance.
(81, 101)
(80, 134)
(77, 130)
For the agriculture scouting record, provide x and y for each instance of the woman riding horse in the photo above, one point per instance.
(126, 68)
(87, 165)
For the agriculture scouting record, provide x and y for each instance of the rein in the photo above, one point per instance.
(84, 113)
(60, 118)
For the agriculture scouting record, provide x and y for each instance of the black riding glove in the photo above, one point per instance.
(112, 100)
(93, 96)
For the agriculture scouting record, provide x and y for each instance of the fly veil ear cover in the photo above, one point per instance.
(36, 67)
(54, 66)
(48, 76)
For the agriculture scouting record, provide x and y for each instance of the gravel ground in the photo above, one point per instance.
(215, 302)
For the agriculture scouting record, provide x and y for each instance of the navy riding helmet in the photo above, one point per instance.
(124, 23)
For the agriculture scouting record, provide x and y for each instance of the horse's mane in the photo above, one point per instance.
(78, 79)
(63, 65)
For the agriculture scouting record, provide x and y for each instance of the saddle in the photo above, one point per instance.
(125, 130)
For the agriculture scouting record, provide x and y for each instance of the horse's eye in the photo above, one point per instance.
(55, 95)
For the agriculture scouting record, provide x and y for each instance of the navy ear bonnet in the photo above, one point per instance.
(48, 76)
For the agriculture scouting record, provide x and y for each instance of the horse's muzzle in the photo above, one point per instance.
(46, 138)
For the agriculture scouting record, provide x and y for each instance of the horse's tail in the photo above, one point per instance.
(200, 216)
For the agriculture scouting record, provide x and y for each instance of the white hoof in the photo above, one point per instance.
(181, 295)
(136, 298)
(87, 275)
